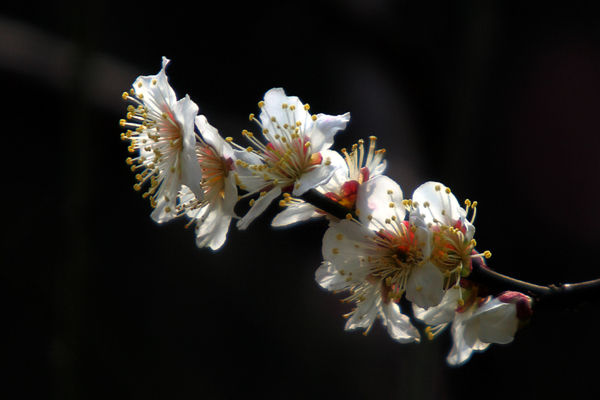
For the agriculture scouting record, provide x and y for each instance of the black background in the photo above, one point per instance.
(498, 100)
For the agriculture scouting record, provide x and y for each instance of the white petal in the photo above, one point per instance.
(259, 207)
(328, 277)
(295, 213)
(398, 324)
(425, 286)
(366, 311)
(273, 101)
(212, 137)
(442, 313)
(442, 207)
(191, 172)
(497, 322)
(230, 196)
(326, 127)
(374, 198)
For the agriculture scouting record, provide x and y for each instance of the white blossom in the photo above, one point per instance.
(213, 213)
(476, 322)
(295, 158)
(161, 130)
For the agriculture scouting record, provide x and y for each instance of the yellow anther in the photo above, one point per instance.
(448, 190)
(284, 106)
(460, 302)
(314, 117)
(249, 149)
(390, 191)
(229, 139)
(438, 188)
(262, 194)
(139, 84)
(349, 217)
(251, 202)
(137, 187)
(306, 107)
(392, 205)
(129, 161)
(282, 203)
(339, 236)
(357, 212)
(335, 250)
(122, 122)
(261, 104)
(154, 81)
(487, 254)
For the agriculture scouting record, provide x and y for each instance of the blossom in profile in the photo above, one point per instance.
(379, 258)
(296, 156)
(212, 214)
(161, 132)
(476, 321)
(359, 166)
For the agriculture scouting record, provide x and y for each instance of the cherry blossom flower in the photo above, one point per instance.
(358, 168)
(161, 130)
(380, 258)
(476, 321)
(213, 213)
(296, 157)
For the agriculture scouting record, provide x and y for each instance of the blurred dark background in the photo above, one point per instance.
(498, 100)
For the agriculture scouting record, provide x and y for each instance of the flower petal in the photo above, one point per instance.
(398, 324)
(374, 198)
(295, 213)
(258, 208)
(425, 286)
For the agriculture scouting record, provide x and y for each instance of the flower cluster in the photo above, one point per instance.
(387, 252)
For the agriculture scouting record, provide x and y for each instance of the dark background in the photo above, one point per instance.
(498, 100)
